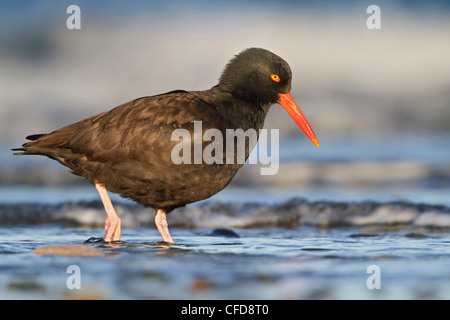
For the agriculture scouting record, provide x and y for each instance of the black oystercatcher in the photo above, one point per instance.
(127, 150)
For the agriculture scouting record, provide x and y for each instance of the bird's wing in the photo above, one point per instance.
(133, 138)
(142, 125)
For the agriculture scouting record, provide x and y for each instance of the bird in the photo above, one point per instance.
(127, 150)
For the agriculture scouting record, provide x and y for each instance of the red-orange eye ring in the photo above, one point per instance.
(275, 77)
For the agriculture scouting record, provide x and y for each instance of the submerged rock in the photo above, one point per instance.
(69, 250)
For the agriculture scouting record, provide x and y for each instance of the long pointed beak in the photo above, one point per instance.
(292, 108)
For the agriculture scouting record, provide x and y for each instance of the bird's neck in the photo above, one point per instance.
(239, 113)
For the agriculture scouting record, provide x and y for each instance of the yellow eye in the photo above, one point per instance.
(275, 77)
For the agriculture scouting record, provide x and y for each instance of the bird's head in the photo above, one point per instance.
(258, 76)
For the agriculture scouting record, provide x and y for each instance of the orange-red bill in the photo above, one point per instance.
(292, 108)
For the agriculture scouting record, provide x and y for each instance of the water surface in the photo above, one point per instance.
(268, 263)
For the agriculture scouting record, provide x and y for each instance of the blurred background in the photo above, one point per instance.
(378, 100)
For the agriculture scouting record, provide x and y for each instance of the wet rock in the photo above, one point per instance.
(94, 240)
(364, 235)
(223, 232)
(416, 235)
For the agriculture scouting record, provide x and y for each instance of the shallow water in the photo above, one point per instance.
(263, 263)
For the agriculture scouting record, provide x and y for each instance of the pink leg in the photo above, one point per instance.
(112, 224)
(162, 225)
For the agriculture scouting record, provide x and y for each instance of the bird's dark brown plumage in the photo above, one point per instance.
(128, 149)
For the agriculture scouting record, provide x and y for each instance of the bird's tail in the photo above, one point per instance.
(54, 143)
(31, 137)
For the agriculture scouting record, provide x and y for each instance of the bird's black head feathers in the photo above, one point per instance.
(248, 76)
